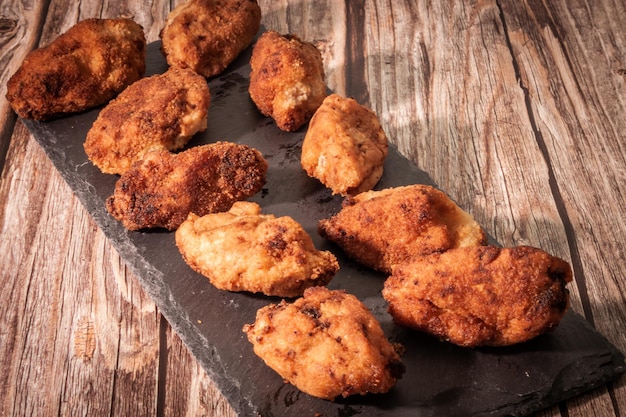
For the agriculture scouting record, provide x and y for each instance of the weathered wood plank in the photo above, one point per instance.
(20, 27)
(94, 348)
(572, 114)
(189, 392)
(473, 138)
(71, 337)
(569, 60)
(450, 96)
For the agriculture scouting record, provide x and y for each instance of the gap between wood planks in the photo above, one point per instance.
(162, 367)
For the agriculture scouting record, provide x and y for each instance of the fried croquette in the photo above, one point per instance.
(327, 344)
(83, 68)
(481, 296)
(161, 112)
(286, 79)
(381, 229)
(207, 35)
(162, 188)
(244, 250)
(345, 146)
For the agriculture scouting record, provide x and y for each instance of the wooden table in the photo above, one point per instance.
(517, 109)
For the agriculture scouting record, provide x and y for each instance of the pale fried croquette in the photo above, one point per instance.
(327, 344)
(207, 35)
(84, 67)
(345, 146)
(286, 79)
(481, 296)
(244, 250)
(161, 189)
(161, 112)
(381, 229)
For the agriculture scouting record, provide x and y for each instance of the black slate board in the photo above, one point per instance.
(440, 378)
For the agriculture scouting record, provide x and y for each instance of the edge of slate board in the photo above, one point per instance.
(441, 378)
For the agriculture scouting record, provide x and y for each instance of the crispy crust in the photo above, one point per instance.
(85, 67)
(345, 146)
(482, 296)
(207, 35)
(286, 79)
(327, 344)
(161, 112)
(381, 229)
(244, 250)
(161, 189)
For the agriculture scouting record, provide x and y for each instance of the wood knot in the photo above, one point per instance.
(7, 25)
(84, 340)
(127, 14)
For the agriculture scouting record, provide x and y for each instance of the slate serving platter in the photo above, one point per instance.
(440, 378)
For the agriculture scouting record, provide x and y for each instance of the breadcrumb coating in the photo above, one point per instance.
(381, 229)
(162, 188)
(207, 35)
(82, 68)
(286, 79)
(481, 296)
(345, 146)
(161, 112)
(244, 250)
(327, 344)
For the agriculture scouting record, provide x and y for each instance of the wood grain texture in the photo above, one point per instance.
(20, 25)
(575, 96)
(514, 108)
(535, 148)
(79, 336)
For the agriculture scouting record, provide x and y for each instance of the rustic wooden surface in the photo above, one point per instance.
(517, 109)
